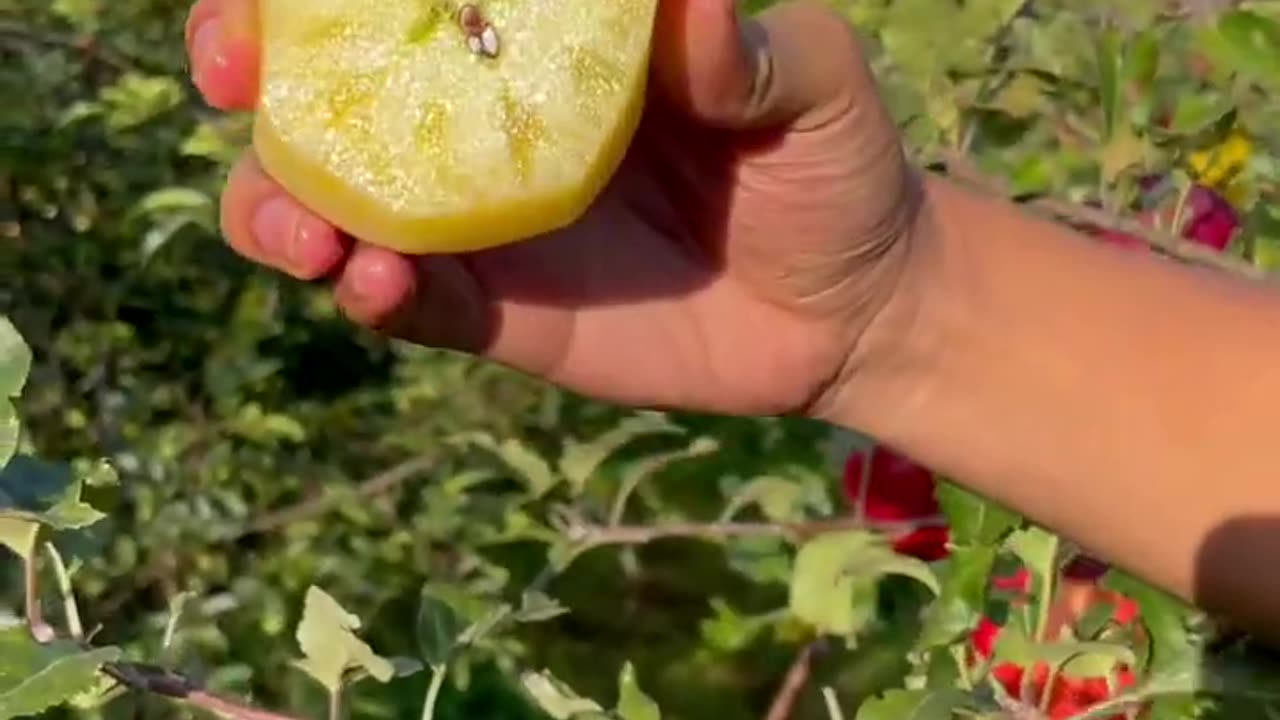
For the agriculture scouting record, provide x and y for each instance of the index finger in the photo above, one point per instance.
(222, 43)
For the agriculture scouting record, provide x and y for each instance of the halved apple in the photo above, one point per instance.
(434, 126)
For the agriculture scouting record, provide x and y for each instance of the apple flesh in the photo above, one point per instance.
(436, 126)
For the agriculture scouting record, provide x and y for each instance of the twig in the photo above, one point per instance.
(383, 482)
(378, 484)
(24, 32)
(72, 611)
(793, 683)
(601, 535)
(963, 169)
(833, 703)
(42, 631)
(167, 683)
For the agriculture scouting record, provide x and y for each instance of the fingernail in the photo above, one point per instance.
(275, 227)
(204, 48)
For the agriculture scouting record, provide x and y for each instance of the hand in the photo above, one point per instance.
(751, 235)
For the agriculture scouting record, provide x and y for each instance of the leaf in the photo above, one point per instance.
(777, 498)
(538, 607)
(555, 698)
(1110, 91)
(524, 460)
(35, 493)
(15, 360)
(36, 677)
(974, 520)
(836, 575)
(633, 703)
(1243, 677)
(438, 628)
(1165, 618)
(1087, 659)
(963, 595)
(914, 705)
(1037, 548)
(10, 431)
(727, 630)
(580, 460)
(327, 638)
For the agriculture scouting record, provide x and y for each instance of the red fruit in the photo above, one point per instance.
(1019, 582)
(984, 638)
(900, 490)
(1211, 221)
(1126, 612)
(1083, 567)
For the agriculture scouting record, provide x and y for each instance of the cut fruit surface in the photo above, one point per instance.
(430, 126)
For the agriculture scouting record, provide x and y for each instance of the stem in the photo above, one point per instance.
(40, 630)
(833, 703)
(335, 704)
(433, 691)
(864, 488)
(793, 684)
(596, 535)
(70, 608)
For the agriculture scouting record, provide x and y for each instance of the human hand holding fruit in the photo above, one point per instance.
(750, 234)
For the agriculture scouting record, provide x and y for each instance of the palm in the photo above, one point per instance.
(674, 271)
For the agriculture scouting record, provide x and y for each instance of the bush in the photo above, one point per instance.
(223, 497)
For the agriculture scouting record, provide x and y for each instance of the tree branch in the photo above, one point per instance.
(379, 484)
(601, 535)
(793, 683)
(963, 169)
(167, 683)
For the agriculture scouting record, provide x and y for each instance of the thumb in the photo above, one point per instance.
(796, 64)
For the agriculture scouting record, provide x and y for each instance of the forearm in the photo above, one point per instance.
(1123, 400)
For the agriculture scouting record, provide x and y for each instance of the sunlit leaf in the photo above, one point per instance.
(326, 636)
(35, 677)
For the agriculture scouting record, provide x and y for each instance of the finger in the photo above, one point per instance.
(222, 44)
(791, 65)
(263, 223)
(432, 301)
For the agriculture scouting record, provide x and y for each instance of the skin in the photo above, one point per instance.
(1115, 397)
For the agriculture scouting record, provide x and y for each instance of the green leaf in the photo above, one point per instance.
(1110, 91)
(1165, 617)
(1228, 677)
(729, 631)
(10, 431)
(328, 641)
(15, 360)
(580, 460)
(538, 607)
(778, 498)
(557, 699)
(1088, 659)
(35, 493)
(974, 520)
(1037, 548)
(633, 703)
(836, 576)
(438, 629)
(914, 705)
(964, 592)
(36, 677)
(524, 460)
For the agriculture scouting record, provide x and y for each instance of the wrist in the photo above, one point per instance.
(894, 363)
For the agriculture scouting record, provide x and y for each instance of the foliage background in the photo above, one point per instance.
(224, 394)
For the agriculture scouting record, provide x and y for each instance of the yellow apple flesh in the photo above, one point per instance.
(435, 126)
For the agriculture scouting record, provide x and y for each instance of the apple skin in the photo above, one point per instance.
(900, 490)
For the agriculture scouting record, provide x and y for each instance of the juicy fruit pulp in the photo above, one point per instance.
(445, 126)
